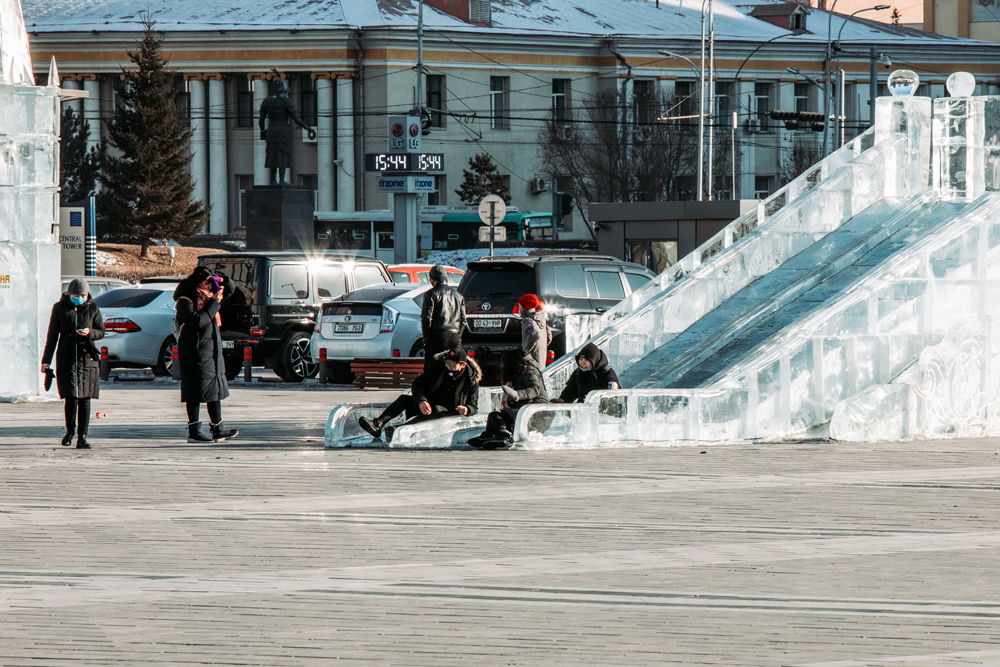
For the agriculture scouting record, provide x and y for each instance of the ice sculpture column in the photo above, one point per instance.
(29, 251)
(903, 113)
(966, 141)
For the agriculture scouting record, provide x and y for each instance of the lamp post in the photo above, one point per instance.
(839, 121)
(701, 114)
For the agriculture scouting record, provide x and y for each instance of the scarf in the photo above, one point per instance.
(204, 296)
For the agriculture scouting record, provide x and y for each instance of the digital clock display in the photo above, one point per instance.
(400, 162)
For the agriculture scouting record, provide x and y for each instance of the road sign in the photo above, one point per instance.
(499, 209)
(499, 234)
(406, 184)
(404, 134)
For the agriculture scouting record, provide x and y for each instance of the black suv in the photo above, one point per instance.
(277, 298)
(566, 284)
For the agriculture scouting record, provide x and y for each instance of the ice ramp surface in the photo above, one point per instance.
(905, 296)
(800, 286)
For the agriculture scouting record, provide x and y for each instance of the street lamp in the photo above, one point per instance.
(839, 122)
(701, 114)
(826, 66)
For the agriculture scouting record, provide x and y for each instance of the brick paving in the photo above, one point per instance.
(271, 550)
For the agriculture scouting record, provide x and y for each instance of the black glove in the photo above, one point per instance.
(263, 135)
(49, 376)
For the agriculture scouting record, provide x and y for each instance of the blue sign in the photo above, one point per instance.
(76, 219)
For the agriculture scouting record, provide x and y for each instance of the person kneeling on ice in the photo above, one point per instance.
(594, 372)
(522, 384)
(449, 387)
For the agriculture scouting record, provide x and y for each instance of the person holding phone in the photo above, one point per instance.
(199, 351)
(74, 325)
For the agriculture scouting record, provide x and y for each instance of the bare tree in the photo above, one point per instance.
(804, 154)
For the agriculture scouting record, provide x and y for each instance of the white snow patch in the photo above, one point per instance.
(460, 258)
(107, 259)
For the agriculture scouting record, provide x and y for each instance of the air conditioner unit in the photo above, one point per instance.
(753, 125)
(305, 137)
(539, 184)
(564, 132)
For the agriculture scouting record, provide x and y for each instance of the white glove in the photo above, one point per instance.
(509, 393)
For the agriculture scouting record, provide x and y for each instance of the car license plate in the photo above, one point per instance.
(348, 328)
(489, 324)
(228, 344)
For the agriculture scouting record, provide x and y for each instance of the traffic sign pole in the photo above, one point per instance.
(493, 222)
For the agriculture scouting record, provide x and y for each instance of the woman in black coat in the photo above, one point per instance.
(199, 351)
(74, 325)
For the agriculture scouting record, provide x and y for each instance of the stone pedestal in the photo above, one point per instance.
(279, 217)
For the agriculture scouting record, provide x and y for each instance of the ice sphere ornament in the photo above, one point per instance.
(961, 84)
(903, 83)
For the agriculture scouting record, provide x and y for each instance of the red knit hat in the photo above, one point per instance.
(529, 302)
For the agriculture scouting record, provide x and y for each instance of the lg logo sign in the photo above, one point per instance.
(404, 134)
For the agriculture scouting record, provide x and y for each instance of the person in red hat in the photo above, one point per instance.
(535, 334)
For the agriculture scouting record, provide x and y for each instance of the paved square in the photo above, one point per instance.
(270, 550)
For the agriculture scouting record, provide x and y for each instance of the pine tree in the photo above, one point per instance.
(78, 167)
(147, 183)
(484, 179)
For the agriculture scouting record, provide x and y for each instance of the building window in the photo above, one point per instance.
(435, 99)
(244, 102)
(762, 104)
(802, 96)
(307, 99)
(642, 102)
(182, 99)
(479, 11)
(686, 104)
(796, 21)
(499, 97)
(437, 198)
(761, 187)
(721, 111)
(560, 99)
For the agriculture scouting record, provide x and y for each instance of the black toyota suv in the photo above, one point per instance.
(577, 284)
(276, 300)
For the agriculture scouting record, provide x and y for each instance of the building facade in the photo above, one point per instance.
(494, 74)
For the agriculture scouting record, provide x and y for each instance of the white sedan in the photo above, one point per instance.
(138, 325)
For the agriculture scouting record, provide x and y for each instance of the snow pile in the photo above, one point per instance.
(107, 259)
(460, 258)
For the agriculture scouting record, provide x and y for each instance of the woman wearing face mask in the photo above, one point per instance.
(199, 351)
(74, 325)
(594, 372)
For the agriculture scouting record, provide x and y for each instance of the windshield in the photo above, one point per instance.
(375, 295)
(517, 282)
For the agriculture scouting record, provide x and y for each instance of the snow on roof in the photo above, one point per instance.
(677, 19)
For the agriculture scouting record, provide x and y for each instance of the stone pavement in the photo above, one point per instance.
(272, 551)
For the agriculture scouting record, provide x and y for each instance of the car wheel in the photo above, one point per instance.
(418, 349)
(166, 358)
(294, 363)
(233, 367)
(340, 372)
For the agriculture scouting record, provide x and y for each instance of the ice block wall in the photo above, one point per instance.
(29, 181)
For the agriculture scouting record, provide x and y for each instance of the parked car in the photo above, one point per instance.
(138, 324)
(277, 298)
(98, 284)
(376, 321)
(421, 273)
(566, 284)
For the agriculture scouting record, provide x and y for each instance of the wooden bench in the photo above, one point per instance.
(382, 373)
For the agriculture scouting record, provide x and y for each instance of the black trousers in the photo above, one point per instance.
(214, 411)
(409, 405)
(73, 408)
(439, 341)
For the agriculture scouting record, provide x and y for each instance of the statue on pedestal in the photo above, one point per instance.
(278, 110)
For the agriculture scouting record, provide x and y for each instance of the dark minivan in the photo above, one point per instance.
(566, 284)
(276, 300)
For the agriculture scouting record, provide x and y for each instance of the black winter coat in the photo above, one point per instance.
(78, 374)
(530, 388)
(437, 388)
(199, 347)
(582, 382)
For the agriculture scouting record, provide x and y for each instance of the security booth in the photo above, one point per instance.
(658, 234)
(362, 233)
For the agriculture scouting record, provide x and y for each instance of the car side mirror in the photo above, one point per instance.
(301, 294)
(323, 292)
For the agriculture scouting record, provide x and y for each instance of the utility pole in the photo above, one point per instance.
(711, 91)
(872, 85)
(420, 60)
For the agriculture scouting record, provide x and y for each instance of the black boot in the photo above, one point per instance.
(195, 434)
(81, 442)
(219, 432)
(373, 427)
(67, 439)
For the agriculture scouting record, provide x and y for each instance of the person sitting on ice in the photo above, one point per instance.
(593, 372)
(449, 387)
(522, 384)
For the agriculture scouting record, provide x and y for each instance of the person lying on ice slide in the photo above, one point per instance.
(449, 387)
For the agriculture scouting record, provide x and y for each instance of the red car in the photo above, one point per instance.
(420, 273)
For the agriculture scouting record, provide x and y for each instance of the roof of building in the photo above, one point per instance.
(674, 19)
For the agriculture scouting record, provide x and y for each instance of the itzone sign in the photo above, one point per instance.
(406, 184)
(404, 134)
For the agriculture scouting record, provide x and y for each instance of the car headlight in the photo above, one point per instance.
(389, 318)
